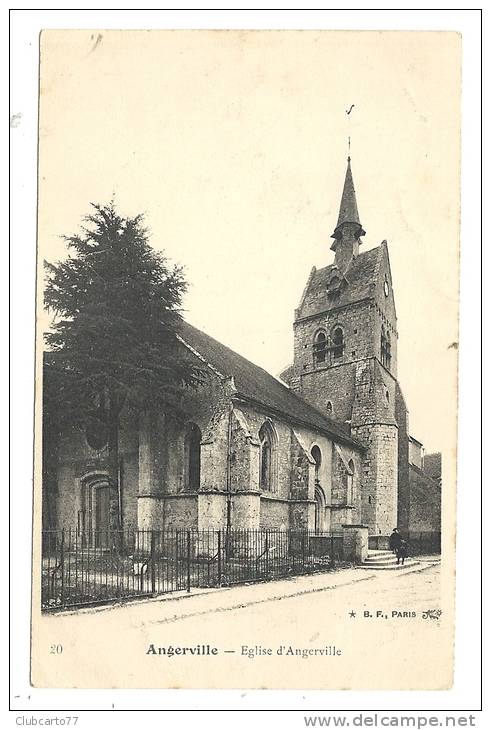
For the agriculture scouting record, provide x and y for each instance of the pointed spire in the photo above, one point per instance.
(348, 210)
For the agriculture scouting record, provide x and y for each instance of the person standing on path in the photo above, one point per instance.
(395, 540)
(402, 552)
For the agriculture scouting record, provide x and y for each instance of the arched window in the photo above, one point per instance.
(320, 510)
(349, 482)
(317, 457)
(266, 463)
(337, 343)
(320, 347)
(329, 408)
(192, 453)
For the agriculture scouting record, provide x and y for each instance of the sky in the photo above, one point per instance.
(234, 144)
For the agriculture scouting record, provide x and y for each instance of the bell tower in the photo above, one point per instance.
(345, 356)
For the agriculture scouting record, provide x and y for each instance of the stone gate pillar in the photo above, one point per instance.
(355, 543)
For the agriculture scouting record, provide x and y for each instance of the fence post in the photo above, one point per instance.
(176, 562)
(267, 554)
(219, 557)
(303, 550)
(152, 559)
(142, 556)
(188, 566)
(62, 566)
(333, 557)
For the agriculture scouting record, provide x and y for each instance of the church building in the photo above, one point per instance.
(324, 446)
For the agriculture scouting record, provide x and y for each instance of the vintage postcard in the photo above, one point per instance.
(247, 341)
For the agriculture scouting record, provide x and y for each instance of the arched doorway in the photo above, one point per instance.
(95, 520)
(102, 509)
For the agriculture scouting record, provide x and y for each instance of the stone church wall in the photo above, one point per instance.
(357, 323)
(152, 457)
(180, 512)
(275, 513)
(335, 385)
(77, 461)
(424, 503)
(379, 480)
(403, 489)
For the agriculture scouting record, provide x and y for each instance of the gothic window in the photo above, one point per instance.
(337, 343)
(329, 408)
(320, 510)
(320, 347)
(317, 457)
(192, 450)
(267, 442)
(349, 482)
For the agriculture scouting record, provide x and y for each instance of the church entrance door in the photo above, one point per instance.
(102, 515)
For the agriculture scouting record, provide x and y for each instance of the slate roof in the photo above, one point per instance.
(257, 385)
(348, 210)
(361, 281)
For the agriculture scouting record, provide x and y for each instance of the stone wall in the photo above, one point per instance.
(374, 396)
(302, 515)
(357, 323)
(425, 502)
(334, 386)
(402, 461)
(385, 306)
(355, 543)
(78, 465)
(212, 510)
(245, 511)
(275, 513)
(379, 481)
(334, 380)
(152, 457)
(291, 500)
(301, 469)
(180, 512)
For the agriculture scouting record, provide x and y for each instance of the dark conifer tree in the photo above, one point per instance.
(113, 345)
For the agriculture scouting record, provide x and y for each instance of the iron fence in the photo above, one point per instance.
(86, 567)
